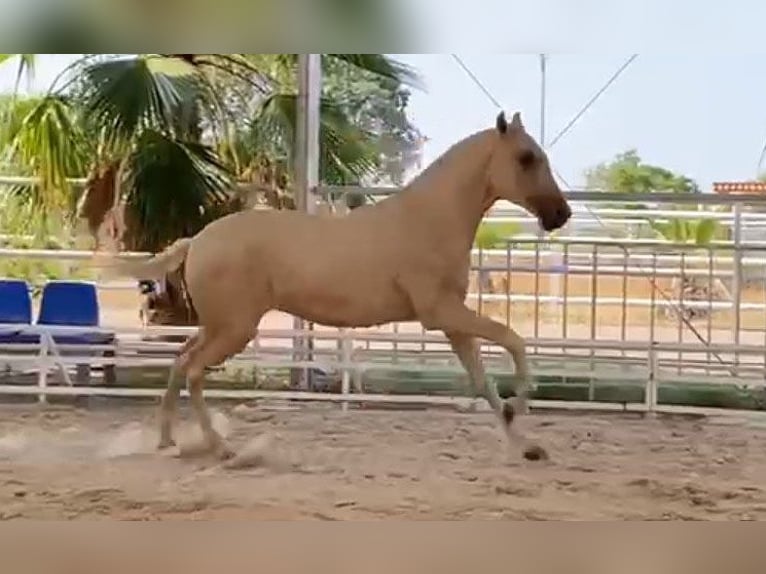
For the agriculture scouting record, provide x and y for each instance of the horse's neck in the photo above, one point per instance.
(452, 194)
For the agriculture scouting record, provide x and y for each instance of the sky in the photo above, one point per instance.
(703, 115)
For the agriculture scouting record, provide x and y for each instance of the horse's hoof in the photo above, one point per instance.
(508, 413)
(535, 453)
(224, 453)
(165, 444)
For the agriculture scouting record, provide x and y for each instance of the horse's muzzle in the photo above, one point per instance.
(552, 215)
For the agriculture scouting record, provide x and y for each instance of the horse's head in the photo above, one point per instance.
(519, 172)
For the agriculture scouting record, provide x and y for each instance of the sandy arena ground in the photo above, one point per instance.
(321, 463)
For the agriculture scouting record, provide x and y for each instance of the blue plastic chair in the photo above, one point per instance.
(72, 304)
(15, 309)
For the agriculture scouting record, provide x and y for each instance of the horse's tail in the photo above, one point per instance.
(155, 267)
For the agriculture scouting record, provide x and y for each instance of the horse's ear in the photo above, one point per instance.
(516, 122)
(502, 123)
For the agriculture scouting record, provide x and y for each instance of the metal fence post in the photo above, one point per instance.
(42, 374)
(307, 175)
(737, 281)
(345, 360)
(651, 388)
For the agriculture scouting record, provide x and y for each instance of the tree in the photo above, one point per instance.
(163, 138)
(627, 173)
(377, 104)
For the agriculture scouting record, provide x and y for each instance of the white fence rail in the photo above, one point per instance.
(346, 358)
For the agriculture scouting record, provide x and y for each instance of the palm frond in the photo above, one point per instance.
(230, 66)
(127, 95)
(346, 151)
(48, 143)
(384, 67)
(26, 66)
(173, 189)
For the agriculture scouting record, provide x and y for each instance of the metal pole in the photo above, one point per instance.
(554, 261)
(543, 62)
(736, 287)
(307, 132)
(540, 233)
(307, 170)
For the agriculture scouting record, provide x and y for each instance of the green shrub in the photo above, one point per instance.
(494, 235)
(23, 227)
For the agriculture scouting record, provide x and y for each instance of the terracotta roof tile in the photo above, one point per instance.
(726, 187)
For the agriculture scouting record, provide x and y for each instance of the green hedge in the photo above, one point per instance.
(451, 384)
(573, 389)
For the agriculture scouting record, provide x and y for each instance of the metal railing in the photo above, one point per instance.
(604, 308)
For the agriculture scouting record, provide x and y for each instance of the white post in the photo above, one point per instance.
(345, 359)
(652, 383)
(736, 287)
(52, 349)
(554, 259)
(42, 373)
(543, 79)
(307, 164)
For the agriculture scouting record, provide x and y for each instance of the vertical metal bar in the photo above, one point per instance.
(540, 234)
(653, 297)
(593, 321)
(395, 345)
(508, 290)
(537, 293)
(480, 275)
(565, 306)
(554, 260)
(624, 316)
(543, 90)
(652, 383)
(42, 373)
(737, 282)
(681, 309)
(763, 290)
(307, 131)
(710, 279)
(307, 171)
(345, 359)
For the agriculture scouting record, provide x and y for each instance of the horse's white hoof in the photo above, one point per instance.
(171, 452)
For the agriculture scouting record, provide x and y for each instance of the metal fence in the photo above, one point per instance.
(603, 300)
(611, 283)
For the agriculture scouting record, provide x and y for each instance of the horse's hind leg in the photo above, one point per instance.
(173, 390)
(467, 350)
(214, 348)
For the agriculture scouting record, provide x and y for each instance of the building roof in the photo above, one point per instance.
(726, 187)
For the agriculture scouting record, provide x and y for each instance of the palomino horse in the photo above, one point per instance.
(405, 258)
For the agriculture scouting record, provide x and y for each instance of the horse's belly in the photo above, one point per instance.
(347, 307)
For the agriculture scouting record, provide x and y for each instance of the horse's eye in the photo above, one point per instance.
(527, 159)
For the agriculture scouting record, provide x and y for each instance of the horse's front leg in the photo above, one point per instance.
(462, 326)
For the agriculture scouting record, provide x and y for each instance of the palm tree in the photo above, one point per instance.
(164, 138)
